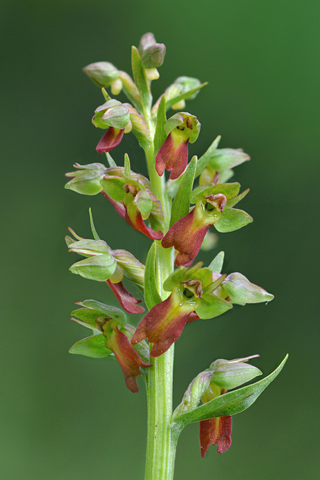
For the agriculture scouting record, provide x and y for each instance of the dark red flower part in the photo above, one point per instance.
(110, 139)
(186, 236)
(127, 301)
(138, 223)
(163, 325)
(172, 156)
(128, 358)
(216, 431)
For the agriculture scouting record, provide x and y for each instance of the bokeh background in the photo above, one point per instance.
(68, 417)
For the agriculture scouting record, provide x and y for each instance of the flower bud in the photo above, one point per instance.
(102, 73)
(152, 53)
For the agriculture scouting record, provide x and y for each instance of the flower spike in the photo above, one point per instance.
(181, 129)
(213, 207)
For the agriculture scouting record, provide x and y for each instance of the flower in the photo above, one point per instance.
(180, 129)
(213, 207)
(114, 116)
(131, 196)
(225, 375)
(195, 293)
(192, 297)
(111, 337)
(105, 265)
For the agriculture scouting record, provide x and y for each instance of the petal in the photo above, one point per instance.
(172, 156)
(216, 431)
(163, 325)
(186, 236)
(126, 300)
(225, 429)
(208, 434)
(110, 139)
(128, 358)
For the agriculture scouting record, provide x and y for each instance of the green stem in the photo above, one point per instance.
(161, 440)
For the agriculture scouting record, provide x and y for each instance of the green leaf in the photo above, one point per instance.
(184, 96)
(181, 203)
(93, 228)
(217, 263)
(127, 166)
(139, 77)
(230, 403)
(232, 219)
(99, 268)
(94, 347)
(160, 135)
(204, 160)
(151, 294)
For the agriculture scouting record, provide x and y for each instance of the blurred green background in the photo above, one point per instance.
(68, 417)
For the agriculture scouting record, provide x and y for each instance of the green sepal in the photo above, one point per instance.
(139, 77)
(181, 203)
(189, 95)
(160, 135)
(99, 268)
(144, 203)
(229, 190)
(193, 394)
(217, 263)
(113, 186)
(212, 306)
(232, 219)
(205, 159)
(230, 403)
(241, 291)
(112, 113)
(230, 375)
(94, 347)
(227, 158)
(86, 317)
(107, 310)
(151, 294)
(89, 247)
(86, 179)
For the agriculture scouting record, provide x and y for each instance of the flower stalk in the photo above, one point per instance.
(176, 215)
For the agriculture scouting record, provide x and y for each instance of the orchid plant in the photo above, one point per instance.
(176, 216)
